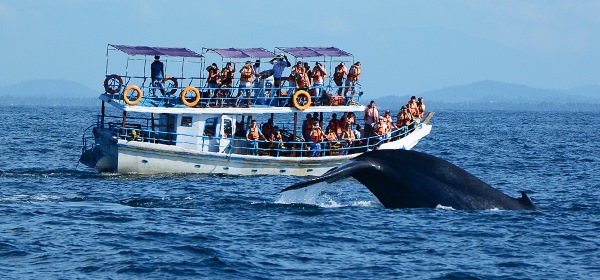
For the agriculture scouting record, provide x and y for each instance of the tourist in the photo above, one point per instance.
(267, 128)
(334, 124)
(403, 120)
(421, 107)
(307, 127)
(157, 74)
(371, 116)
(318, 77)
(338, 76)
(413, 107)
(316, 137)
(280, 62)
(253, 134)
(352, 78)
(247, 74)
(214, 79)
(227, 75)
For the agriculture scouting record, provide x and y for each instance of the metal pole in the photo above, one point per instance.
(123, 130)
(102, 119)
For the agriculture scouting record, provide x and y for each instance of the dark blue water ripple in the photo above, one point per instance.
(57, 221)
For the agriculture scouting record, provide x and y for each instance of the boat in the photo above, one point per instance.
(186, 125)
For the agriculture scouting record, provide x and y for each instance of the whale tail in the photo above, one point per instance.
(526, 201)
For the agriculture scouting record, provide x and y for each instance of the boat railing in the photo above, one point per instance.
(174, 93)
(240, 145)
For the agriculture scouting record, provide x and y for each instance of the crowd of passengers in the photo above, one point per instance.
(342, 134)
(220, 82)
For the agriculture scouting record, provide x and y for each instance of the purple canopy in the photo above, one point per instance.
(243, 53)
(315, 51)
(143, 50)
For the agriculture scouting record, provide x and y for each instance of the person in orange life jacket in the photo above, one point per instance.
(253, 134)
(371, 116)
(301, 77)
(338, 76)
(403, 119)
(247, 74)
(307, 127)
(412, 107)
(334, 124)
(316, 137)
(157, 74)
(352, 78)
(276, 139)
(227, 75)
(381, 129)
(214, 78)
(421, 107)
(267, 128)
(348, 136)
(318, 77)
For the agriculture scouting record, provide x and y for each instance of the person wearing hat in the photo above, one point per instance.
(157, 74)
(280, 62)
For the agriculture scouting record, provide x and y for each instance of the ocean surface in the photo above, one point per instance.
(61, 220)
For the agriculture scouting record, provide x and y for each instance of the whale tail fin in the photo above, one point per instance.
(526, 201)
(343, 171)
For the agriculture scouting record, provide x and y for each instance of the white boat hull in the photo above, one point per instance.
(147, 158)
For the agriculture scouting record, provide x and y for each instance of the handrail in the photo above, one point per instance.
(220, 97)
(237, 145)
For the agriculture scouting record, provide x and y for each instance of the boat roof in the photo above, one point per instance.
(242, 52)
(145, 50)
(315, 51)
(228, 111)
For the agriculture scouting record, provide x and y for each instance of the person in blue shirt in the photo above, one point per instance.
(157, 74)
(279, 64)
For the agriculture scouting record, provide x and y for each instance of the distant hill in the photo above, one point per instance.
(491, 91)
(499, 95)
(48, 89)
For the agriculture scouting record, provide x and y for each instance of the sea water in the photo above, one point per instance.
(61, 220)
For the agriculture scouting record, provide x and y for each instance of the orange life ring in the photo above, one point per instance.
(126, 93)
(196, 99)
(113, 83)
(174, 86)
(301, 100)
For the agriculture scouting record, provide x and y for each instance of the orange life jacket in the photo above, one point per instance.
(302, 80)
(253, 135)
(246, 74)
(412, 107)
(381, 128)
(332, 136)
(316, 136)
(353, 73)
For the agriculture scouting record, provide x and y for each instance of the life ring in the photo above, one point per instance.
(196, 98)
(301, 100)
(173, 86)
(113, 83)
(126, 95)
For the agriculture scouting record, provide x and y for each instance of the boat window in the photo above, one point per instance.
(210, 126)
(186, 121)
(228, 128)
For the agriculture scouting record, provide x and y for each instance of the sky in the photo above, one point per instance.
(405, 47)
